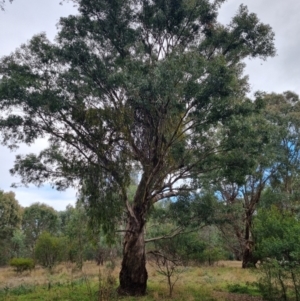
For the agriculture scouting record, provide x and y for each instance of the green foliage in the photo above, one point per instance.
(38, 218)
(10, 220)
(84, 242)
(261, 168)
(212, 255)
(21, 291)
(178, 70)
(49, 250)
(283, 111)
(276, 233)
(76, 234)
(249, 289)
(279, 280)
(22, 264)
(18, 248)
(278, 245)
(183, 248)
(191, 214)
(10, 214)
(194, 210)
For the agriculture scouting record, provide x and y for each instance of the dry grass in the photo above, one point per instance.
(223, 272)
(208, 279)
(205, 280)
(63, 273)
(229, 264)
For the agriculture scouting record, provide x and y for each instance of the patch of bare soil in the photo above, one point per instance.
(225, 296)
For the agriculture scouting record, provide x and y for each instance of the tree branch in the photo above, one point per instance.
(176, 232)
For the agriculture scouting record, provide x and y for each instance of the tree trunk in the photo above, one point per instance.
(248, 259)
(133, 276)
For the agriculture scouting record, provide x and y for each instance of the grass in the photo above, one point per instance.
(68, 284)
(249, 289)
(80, 292)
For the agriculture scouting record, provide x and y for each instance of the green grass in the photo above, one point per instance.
(83, 292)
(74, 291)
(248, 289)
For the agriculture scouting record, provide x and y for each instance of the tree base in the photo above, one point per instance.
(130, 288)
(248, 260)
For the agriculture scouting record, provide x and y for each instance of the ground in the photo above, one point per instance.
(208, 283)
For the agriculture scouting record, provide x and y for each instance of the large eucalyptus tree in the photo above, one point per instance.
(129, 84)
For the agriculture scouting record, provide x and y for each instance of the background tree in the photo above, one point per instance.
(10, 220)
(18, 246)
(10, 214)
(188, 217)
(49, 250)
(38, 218)
(283, 110)
(268, 156)
(214, 246)
(129, 84)
(77, 234)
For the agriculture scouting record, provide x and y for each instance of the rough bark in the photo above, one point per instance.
(133, 276)
(248, 258)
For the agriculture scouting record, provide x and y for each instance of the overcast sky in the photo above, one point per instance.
(24, 18)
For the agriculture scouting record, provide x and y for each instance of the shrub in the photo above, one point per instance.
(212, 255)
(107, 287)
(168, 265)
(277, 246)
(22, 264)
(49, 250)
(251, 289)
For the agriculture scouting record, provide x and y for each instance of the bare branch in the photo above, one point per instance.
(176, 232)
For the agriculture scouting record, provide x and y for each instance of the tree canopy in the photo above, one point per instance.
(10, 220)
(267, 169)
(10, 214)
(38, 218)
